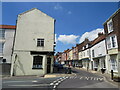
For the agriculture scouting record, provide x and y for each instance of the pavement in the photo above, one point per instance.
(59, 73)
(106, 76)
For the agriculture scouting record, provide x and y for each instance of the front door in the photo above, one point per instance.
(48, 65)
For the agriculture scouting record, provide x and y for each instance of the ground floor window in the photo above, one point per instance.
(84, 63)
(96, 63)
(113, 64)
(37, 62)
(103, 63)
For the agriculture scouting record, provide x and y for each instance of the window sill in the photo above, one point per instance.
(37, 68)
(110, 31)
(112, 48)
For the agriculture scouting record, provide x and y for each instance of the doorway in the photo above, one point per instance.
(48, 64)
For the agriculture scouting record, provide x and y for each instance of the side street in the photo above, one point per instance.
(102, 54)
(29, 59)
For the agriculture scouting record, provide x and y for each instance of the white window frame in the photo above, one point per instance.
(111, 45)
(113, 65)
(108, 43)
(93, 53)
(37, 62)
(108, 26)
(115, 41)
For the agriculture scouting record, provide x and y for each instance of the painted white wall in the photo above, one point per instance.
(7, 49)
(2, 41)
(99, 49)
(84, 54)
(99, 56)
(32, 25)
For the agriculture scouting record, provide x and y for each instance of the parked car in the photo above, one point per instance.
(80, 66)
(59, 66)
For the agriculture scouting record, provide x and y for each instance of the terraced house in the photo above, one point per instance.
(84, 53)
(112, 32)
(98, 53)
(103, 53)
(6, 44)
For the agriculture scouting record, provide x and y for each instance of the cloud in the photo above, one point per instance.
(69, 12)
(91, 35)
(58, 7)
(68, 39)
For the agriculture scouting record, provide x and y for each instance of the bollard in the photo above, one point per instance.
(112, 74)
(69, 70)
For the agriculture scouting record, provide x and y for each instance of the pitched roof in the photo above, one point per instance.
(115, 13)
(8, 26)
(98, 39)
(35, 9)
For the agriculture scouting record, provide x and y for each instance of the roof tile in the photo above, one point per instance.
(8, 26)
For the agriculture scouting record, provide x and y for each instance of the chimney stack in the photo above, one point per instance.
(100, 33)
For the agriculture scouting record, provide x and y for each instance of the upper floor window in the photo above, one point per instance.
(88, 53)
(83, 48)
(87, 46)
(93, 54)
(110, 26)
(108, 43)
(113, 41)
(40, 42)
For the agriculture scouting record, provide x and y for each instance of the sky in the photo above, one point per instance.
(75, 21)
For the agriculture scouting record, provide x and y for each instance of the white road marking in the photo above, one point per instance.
(75, 77)
(51, 83)
(81, 77)
(100, 79)
(91, 78)
(72, 77)
(94, 78)
(60, 78)
(59, 81)
(54, 87)
(56, 83)
(34, 81)
(66, 77)
(87, 78)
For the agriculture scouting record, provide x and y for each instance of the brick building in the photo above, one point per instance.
(112, 32)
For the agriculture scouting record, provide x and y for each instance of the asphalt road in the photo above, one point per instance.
(28, 82)
(84, 79)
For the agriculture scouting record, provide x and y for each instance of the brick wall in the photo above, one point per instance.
(116, 27)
